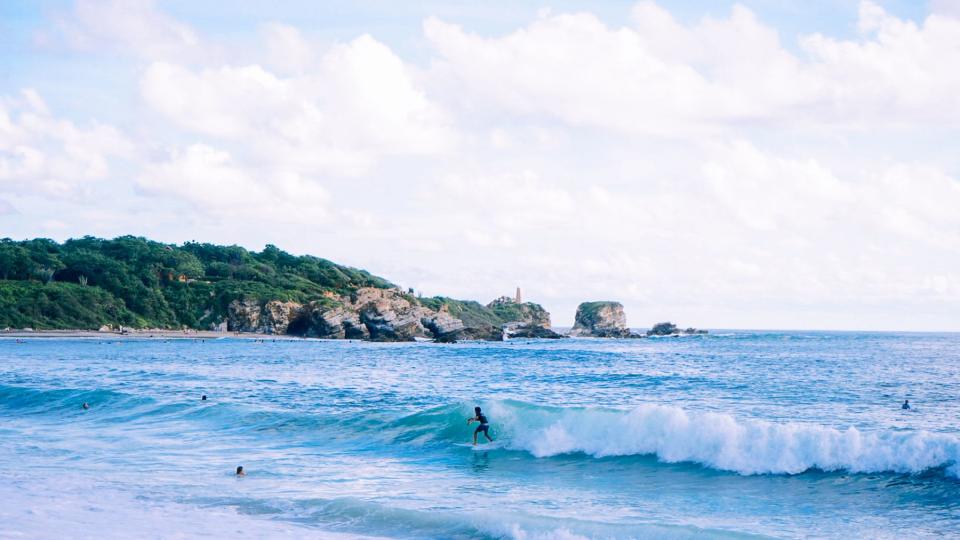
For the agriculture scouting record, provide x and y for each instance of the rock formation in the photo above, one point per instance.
(244, 316)
(277, 315)
(516, 330)
(601, 319)
(387, 315)
(482, 332)
(322, 320)
(670, 329)
(524, 320)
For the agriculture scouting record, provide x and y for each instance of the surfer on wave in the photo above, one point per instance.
(484, 425)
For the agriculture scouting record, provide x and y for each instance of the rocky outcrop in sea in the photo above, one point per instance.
(604, 319)
(670, 329)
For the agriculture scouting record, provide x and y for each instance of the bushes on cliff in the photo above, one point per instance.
(59, 305)
(135, 281)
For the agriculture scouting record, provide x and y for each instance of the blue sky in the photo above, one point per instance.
(764, 164)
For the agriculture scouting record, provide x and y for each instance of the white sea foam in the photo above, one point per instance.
(723, 442)
(74, 507)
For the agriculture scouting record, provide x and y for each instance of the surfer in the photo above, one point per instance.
(906, 404)
(85, 405)
(240, 471)
(484, 425)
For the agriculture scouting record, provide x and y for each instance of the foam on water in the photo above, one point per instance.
(721, 441)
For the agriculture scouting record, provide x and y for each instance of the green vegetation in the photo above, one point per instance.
(31, 304)
(470, 312)
(88, 282)
(591, 309)
(520, 312)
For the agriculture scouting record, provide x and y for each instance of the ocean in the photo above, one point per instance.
(732, 435)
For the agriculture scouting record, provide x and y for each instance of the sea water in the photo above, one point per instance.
(731, 435)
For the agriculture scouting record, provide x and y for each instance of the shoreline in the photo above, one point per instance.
(140, 334)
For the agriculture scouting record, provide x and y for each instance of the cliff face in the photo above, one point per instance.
(601, 319)
(385, 315)
(389, 315)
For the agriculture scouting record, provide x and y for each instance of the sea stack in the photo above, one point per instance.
(670, 329)
(601, 319)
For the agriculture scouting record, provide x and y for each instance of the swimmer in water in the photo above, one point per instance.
(203, 397)
(906, 405)
(85, 405)
(240, 471)
(484, 425)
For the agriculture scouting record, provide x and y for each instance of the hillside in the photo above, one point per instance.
(89, 282)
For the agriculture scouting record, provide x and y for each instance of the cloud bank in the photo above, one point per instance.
(713, 171)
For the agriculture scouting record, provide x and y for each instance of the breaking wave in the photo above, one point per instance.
(672, 434)
(714, 440)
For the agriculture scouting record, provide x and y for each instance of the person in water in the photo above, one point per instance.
(85, 405)
(484, 425)
(240, 471)
(906, 404)
(203, 397)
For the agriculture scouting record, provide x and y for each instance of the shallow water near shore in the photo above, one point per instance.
(732, 435)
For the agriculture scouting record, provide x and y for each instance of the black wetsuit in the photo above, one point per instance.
(484, 425)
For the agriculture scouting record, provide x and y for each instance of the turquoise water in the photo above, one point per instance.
(730, 435)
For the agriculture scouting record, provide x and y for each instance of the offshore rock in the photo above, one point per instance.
(670, 329)
(521, 330)
(601, 319)
(472, 333)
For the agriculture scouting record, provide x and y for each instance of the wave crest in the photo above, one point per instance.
(720, 441)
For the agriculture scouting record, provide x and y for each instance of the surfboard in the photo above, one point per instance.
(481, 446)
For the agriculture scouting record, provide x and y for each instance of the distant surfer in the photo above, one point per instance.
(906, 405)
(85, 405)
(484, 425)
(203, 397)
(240, 471)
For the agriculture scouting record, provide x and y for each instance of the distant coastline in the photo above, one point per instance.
(134, 286)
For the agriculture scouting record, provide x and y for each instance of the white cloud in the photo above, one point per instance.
(40, 153)
(214, 184)
(128, 27)
(359, 105)
(946, 7)
(664, 78)
(287, 50)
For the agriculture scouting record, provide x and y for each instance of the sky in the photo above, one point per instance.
(759, 164)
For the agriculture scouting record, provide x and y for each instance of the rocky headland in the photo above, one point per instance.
(133, 285)
(390, 314)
